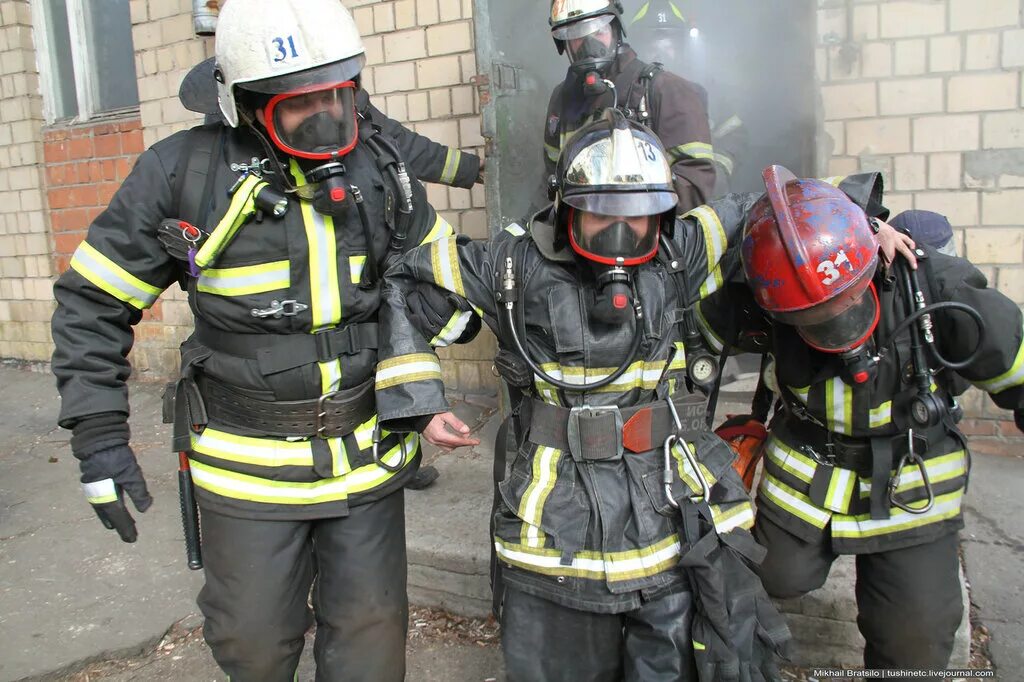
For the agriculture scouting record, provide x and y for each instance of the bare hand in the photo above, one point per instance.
(890, 241)
(447, 432)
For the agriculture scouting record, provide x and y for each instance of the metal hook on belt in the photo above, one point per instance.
(376, 454)
(667, 477)
(911, 458)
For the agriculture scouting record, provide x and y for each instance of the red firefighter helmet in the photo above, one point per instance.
(809, 255)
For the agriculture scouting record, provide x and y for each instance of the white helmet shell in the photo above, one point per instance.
(262, 39)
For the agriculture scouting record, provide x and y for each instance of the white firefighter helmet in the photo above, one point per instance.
(275, 46)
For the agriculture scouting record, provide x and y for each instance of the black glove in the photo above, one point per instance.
(432, 310)
(1018, 416)
(106, 476)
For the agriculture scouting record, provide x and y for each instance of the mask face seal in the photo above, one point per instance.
(593, 52)
(316, 122)
(614, 240)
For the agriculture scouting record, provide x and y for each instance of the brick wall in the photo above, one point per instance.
(930, 92)
(25, 264)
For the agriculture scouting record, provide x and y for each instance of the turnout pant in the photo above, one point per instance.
(545, 642)
(908, 600)
(258, 579)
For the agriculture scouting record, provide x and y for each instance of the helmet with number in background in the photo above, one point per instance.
(292, 66)
(613, 191)
(591, 31)
(809, 254)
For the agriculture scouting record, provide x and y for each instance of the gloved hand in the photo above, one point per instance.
(1018, 416)
(106, 476)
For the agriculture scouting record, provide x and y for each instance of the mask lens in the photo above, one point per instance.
(614, 239)
(847, 330)
(316, 123)
(597, 45)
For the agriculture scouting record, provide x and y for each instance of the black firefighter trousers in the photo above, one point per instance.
(258, 578)
(908, 600)
(545, 642)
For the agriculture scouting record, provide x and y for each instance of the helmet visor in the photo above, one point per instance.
(596, 46)
(614, 240)
(581, 28)
(847, 330)
(316, 122)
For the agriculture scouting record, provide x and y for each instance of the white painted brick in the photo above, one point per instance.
(440, 103)
(983, 92)
(403, 46)
(960, 207)
(383, 17)
(982, 51)
(945, 171)
(427, 12)
(443, 132)
(876, 60)
(469, 132)
(1011, 283)
(910, 96)
(831, 25)
(449, 38)
(944, 54)
(910, 57)
(857, 100)
(437, 195)
(836, 133)
(395, 106)
(1004, 130)
(463, 100)
(909, 171)
(923, 17)
(946, 133)
(842, 165)
(450, 10)
(1013, 49)
(995, 245)
(419, 109)
(865, 22)
(1003, 208)
(878, 136)
(364, 20)
(374, 46)
(969, 15)
(405, 14)
(395, 77)
(438, 71)
(459, 199)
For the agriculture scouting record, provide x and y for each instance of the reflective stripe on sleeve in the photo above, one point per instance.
(1008, 379)
(452, 330)
(405, 369)
(441, 228)
(714, 340)
(694, 150)
(100, 492)
(250, 279)
(715, 243)
(112, 278)
(451, 166)
(445, 264)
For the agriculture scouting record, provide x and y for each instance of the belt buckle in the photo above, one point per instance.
(828, 459)
(321, 412)
(575, 435)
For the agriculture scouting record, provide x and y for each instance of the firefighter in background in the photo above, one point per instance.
(604, 72)
(865, 456)
(667, 34)
(619, 518)
(278, 225)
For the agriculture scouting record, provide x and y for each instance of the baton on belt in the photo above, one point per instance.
(189, 514)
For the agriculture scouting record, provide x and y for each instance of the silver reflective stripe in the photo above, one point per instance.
(112, 278)
(252, 279)
(100, 492)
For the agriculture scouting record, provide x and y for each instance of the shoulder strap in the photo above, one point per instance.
(196, 171)
(953, 382)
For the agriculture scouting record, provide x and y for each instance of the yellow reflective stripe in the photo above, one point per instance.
(610, 566)
(640, 374)
(441, 228)
(863, 526)
(695, 150)
(515, 229)
(330, 375)
(531, 507)
(405, 369)
(324, 285)
(452, 330)
(740, 515)
(100, 492)
(355, 268)
(801, 392)
(880, 416)
(247, 450)
(444, 259)
(793, 501)
(715, 242)
(678, 357)
(112, 278)
(840, 490)
(791, 461)
(944, 468)
(552, 152)
(730, 125)
(834, 180)
(642, 12)
(676, 11)
(255, 489)
(839, 406)
(241, 207)
(686, 473)
(249, 279)
(339, 457)
(714, 340)
(725, 162)
(1008, 379)
(697, 646)
(451, 166)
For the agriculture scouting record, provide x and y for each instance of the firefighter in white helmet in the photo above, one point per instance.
(279, 226)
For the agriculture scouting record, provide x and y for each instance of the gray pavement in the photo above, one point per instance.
(71, 593)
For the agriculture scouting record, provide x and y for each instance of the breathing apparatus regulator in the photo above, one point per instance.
(613, 196)
(810, 256)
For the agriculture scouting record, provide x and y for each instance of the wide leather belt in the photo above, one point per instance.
(602, 433)
(333, 414)
(280, 352)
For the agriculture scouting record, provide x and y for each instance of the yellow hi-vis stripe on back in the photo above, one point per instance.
(241, 207)
(112, 278)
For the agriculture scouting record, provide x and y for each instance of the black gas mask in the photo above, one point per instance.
(592, 54)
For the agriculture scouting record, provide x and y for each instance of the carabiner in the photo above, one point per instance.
(691, 458)
(894, 482)
(376, 454)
